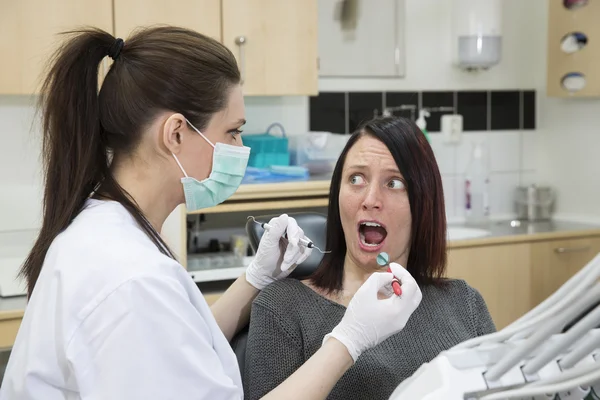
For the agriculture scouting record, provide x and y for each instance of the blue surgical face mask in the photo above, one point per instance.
(228, 169)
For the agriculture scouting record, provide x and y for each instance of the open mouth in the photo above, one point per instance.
(371, 233)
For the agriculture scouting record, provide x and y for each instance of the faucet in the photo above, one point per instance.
(387, 111)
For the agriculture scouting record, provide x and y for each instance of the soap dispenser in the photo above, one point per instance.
(422, 123)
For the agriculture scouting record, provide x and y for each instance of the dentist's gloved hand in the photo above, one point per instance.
(369, 320)
(277, 257)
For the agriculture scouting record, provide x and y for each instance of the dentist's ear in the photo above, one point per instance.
(172, 133)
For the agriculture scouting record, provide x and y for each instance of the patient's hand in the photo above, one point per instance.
(370, 319)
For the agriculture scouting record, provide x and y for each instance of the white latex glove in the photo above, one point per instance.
(277, 257)
(369, 320)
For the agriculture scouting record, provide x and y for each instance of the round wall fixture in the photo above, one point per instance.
(573, 41)
(573, 82)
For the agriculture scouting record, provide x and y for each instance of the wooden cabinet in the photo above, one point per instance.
(10, 321)
(500, 273)
(203, 16)
(553, 262)
(275, 43)
(29, 35)
(277, 57)
(515, 276)
(573, 49)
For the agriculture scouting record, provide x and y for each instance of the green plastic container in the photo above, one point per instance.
(267, 150)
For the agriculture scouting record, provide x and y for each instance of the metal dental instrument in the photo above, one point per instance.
(303, 241)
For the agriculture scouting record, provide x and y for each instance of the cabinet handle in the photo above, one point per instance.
(241, 41)
(571, 249)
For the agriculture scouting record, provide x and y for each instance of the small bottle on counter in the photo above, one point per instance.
(477, 180)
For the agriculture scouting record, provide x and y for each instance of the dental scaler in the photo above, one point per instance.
(303, 241)
(383, 259)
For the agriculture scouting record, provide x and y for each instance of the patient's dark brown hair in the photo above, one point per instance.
(157, 69)
(416, 162)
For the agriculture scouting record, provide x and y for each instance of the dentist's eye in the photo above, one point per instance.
(235, 133)
(356, 180)
(396, 184)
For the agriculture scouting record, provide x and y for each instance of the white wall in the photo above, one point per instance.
(428, 35)
(20, 166)
(567, 145)
(569, 156)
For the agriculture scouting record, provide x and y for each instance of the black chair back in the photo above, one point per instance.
(314, 226)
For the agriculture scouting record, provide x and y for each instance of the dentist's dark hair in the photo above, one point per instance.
(415, 160)
(157, 69)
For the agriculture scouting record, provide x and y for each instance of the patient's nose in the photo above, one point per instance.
(372, 199)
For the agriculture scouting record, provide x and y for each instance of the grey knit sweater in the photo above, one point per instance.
(289, 321)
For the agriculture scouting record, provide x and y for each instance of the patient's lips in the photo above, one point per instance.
(372, 234)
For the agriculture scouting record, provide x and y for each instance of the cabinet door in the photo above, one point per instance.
(203, 16)
(367, 43)
(501, 273)
(555, 261)
(278, 55)
(29, 36)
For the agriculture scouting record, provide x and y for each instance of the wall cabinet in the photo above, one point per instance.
(29, 30)
(515, 277)
(274, 42)
(357, 39)
(203, 16)
(573, 49)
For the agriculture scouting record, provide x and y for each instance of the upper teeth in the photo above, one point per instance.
(370, 224)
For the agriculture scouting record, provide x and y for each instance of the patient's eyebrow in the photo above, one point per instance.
(365, 166)
(357, 166)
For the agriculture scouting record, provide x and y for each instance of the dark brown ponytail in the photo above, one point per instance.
(160, 68)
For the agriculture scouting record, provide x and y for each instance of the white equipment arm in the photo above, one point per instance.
(532, 359)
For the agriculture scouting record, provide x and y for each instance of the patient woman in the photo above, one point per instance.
(386, 195)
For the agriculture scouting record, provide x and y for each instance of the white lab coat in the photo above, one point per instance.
(111, 318)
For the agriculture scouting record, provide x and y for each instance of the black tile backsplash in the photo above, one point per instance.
(473, 106)
(506, 109)
(328, 112)
(343, 112)
(363, 106)
(409, 101)
(433, 101)
(528, 109)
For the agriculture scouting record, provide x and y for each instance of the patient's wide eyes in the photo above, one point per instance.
(396, 184)
(356, 180)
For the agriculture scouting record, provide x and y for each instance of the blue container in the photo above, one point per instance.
(267, 150)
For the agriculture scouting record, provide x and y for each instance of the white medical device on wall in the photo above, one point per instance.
(477, 33)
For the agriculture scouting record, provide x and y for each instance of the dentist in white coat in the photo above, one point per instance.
(112, 315)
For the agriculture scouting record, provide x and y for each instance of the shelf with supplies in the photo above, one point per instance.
(271, 196)
(262, 197)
